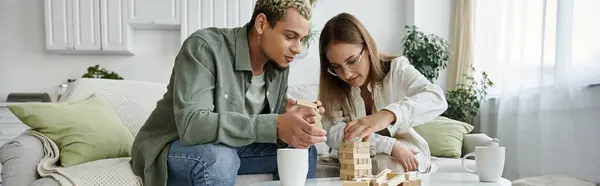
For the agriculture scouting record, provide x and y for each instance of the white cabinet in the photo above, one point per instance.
(198, 14)
(58, 25)
(155, 14)
(87, 27)
(116, 33)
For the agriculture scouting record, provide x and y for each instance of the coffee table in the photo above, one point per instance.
(436, 179)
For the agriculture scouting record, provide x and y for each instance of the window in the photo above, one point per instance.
(536, 43)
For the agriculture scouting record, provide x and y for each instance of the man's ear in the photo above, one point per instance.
(260, 23)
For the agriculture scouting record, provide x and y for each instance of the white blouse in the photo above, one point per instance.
(412, 98)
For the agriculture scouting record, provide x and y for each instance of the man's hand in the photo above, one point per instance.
(294, 129)
(320, 108)
(290, 103)
(405, 157)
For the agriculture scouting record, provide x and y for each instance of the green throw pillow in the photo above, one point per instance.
(84, 131)
(445, 136)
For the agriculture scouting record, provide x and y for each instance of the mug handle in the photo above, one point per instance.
(463, 162)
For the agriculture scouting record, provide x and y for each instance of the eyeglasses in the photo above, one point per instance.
(349, 65)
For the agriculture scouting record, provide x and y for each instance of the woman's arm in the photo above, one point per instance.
(335, 134)
(423, 101)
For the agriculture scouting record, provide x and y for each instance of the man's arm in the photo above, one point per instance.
(193, 104)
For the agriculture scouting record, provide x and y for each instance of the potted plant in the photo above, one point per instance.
(428, 53)
(97, 72)
(464, 101)
(311, 37)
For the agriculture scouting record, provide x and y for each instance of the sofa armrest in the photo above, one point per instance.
(470, 141)
(20, 158)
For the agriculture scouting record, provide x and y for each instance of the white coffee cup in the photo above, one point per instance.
(292, 166)
(489, 161)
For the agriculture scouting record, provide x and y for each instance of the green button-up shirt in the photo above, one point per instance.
(204, 102)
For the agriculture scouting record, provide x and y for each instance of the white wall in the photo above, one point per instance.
(25, 65)
(432, 17)
(384, 20)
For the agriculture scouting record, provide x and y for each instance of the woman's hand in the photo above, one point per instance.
(405, 157)
(364, 127)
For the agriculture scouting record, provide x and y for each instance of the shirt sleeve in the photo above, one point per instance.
(193, 104)
(423, 101)
(335, 134)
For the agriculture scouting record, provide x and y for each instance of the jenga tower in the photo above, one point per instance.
(355, 160)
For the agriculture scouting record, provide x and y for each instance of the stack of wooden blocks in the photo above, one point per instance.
(355, 160)
(386, 178)
(356, 167)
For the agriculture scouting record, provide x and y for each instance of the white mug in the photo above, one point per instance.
(489, 161)
(292, 166)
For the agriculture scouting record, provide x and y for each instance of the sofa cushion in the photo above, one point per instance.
(470, 141)
(19, 158)
(84, 131)
(445, 136)
(48, 181)
(132, 100)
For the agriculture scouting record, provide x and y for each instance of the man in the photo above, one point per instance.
(226, 107)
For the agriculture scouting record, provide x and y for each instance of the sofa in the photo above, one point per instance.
(133, 101)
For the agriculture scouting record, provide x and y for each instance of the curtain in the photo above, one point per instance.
(461, 58)
(544, 58)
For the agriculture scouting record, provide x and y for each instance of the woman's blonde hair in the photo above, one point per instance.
(333, 91)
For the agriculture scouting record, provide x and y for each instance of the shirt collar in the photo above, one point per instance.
(242, 52)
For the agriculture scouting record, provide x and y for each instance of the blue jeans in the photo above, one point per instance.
(219, 164)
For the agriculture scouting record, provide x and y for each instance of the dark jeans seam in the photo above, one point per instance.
(259, 154)
(205, 177)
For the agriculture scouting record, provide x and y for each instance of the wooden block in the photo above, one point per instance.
(382, 176)
(318, 120)
(397, 180)
(351, 156)
(405, 183)
(416, 182)
(355, 167)
(347, 177)
(359, 144)
(356, 173)
(354, 150)
(392, 175)
(354, 178)
(355, 183)
(306, 104)
(410, 175)
(358, 161)
(367, 179)
(379, 183)
(355, 158)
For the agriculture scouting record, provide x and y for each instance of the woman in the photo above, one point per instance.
(373, 96)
